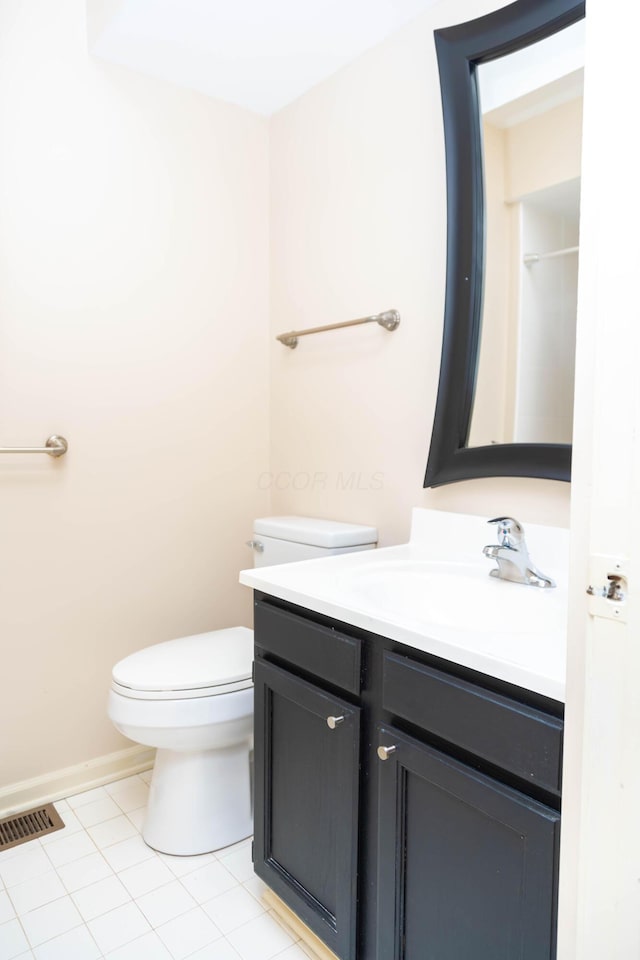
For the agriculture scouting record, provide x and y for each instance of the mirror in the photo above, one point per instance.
(511, 87)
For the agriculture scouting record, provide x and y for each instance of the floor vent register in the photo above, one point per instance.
(27, 825)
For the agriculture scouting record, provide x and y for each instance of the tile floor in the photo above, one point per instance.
(96, 890)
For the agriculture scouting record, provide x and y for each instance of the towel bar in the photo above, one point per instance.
(389, 320)
(55, 446)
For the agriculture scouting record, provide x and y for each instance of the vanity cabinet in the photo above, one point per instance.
(422, 821)
(306, 767)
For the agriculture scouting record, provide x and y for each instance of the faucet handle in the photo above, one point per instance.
(510, 532)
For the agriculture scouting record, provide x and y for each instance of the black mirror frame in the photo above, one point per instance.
(459, 49)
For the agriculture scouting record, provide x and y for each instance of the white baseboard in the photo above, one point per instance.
(84, 776)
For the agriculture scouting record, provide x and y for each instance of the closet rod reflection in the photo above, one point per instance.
(389, 320)
(534, 257)
(55, 447)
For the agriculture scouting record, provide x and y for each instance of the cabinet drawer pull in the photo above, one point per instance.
(332, 722)
(385, 752)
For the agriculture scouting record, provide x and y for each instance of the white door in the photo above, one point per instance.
(600, 853)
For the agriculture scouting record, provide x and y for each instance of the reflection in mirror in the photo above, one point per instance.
(531, 112)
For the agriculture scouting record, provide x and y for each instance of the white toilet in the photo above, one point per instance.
(192, 699)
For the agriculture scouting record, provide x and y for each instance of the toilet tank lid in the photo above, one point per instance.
(212, 659)
(315, 532)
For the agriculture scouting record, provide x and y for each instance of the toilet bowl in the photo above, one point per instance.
(192, 699)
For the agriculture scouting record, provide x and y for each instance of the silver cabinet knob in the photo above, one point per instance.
(385, 752)
(332, 722)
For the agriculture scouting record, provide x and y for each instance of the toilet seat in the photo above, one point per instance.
(188, 694)
(204, 665)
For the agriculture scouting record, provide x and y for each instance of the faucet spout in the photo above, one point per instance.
(512, 556)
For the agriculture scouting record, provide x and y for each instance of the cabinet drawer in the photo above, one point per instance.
(508, 734)
(321, 651)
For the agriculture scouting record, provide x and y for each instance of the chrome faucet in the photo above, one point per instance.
(512, 556)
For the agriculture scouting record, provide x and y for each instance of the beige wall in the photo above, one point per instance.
(358, 225)
(134, 273)
(133, 301)
(529, 166)
(492, 402)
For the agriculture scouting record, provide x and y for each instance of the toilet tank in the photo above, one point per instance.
(287, 539)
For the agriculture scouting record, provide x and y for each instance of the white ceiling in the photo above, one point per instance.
(260, 54)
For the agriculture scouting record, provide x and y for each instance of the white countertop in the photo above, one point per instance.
(435, 594)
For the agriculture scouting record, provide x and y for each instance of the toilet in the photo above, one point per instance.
(192, 699)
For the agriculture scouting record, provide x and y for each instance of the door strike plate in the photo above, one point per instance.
(608, 587)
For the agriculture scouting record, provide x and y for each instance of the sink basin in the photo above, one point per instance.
(457, 596)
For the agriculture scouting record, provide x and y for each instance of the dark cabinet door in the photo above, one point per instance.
(306, 802)
(467, 867)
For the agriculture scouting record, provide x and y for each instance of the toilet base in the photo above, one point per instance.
(199, 801)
